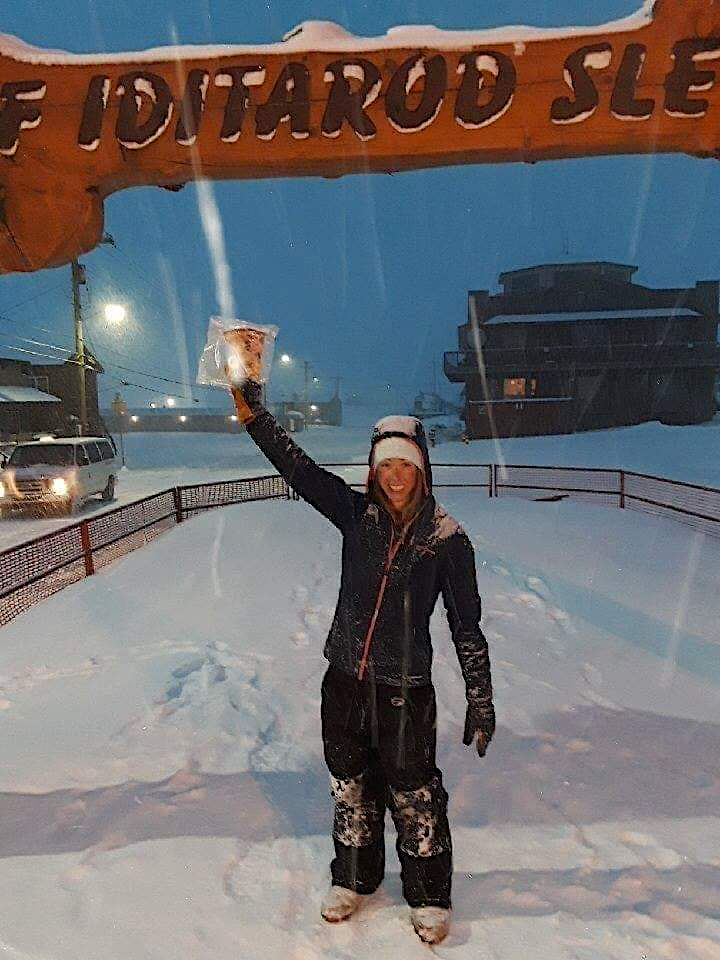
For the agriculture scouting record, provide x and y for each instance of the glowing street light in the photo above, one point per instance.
(115, 314)
(183, 419)
(134, 418)
(285, 358)
(170, 402)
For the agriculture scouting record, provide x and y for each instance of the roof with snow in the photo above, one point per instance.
(650, 314)
(11, 394)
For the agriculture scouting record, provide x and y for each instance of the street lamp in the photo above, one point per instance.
(115, 314)
(170, 402)
(287, 360)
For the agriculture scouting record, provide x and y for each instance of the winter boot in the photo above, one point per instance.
(432, 924)
(339, 904)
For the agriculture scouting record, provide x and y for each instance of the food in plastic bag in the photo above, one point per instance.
(246, 351)
(236, 351)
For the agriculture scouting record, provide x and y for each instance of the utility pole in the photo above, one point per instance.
(307, 400)
(78, 278)
(119, 408)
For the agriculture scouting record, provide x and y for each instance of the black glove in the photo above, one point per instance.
(252, 394)
(479, 724)
(248, 400)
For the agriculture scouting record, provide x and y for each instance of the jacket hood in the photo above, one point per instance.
(409, 428)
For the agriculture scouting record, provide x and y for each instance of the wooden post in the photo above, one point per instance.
(86, 548)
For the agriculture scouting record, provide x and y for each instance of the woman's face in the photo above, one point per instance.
(398, 479)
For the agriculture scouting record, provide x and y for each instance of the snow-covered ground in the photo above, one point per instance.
(162, 790)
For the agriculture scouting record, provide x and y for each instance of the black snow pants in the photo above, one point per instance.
(379, 744)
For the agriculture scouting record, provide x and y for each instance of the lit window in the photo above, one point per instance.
(514, 387)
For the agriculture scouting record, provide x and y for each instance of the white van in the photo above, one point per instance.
(59, 472)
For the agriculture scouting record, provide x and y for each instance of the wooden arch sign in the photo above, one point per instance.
(76, 128)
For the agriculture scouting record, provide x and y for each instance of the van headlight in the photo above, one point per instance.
(59, 487)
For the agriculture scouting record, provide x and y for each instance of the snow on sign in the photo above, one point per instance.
(76, 128)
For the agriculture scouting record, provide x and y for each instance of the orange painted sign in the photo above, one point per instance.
(76, 128)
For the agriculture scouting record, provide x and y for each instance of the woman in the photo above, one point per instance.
(400, 551)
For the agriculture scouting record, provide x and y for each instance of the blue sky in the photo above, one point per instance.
(366, 277)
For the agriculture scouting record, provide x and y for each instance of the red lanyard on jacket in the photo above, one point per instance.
(391, 554)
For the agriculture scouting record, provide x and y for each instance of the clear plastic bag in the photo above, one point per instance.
(236, 351)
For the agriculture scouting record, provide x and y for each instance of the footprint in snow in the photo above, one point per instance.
(531, 600)
(538, 586)
(561, 618)
(592, 674)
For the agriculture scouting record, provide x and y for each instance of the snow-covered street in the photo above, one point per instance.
(163, 789)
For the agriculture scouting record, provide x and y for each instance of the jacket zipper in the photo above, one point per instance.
(392, 551)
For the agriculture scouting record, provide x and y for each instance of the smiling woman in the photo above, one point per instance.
(401, 550)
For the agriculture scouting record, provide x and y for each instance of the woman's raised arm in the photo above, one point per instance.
(325, 491)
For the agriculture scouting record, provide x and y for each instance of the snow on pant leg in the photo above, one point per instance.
(418, 801)
(357, 785)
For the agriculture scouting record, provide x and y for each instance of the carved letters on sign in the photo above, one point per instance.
(326, 103)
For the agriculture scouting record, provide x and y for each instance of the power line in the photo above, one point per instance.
(35, 296)
(125, 383)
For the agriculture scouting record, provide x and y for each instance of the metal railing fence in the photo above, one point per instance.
(33, 571)
(688, 503)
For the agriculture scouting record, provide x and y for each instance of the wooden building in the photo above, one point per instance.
(579, 346)
(39, 398)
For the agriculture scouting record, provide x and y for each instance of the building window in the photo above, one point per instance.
(514, 387)
(519, 387)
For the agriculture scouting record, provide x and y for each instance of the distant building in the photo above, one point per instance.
(173, 419)
(197, 419)
(431, 405)
(328, 412)
(579, 346)
(37, 398)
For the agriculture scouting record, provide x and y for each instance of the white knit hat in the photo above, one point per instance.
(397, 447)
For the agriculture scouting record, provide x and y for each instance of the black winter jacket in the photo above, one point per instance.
(435, 557)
